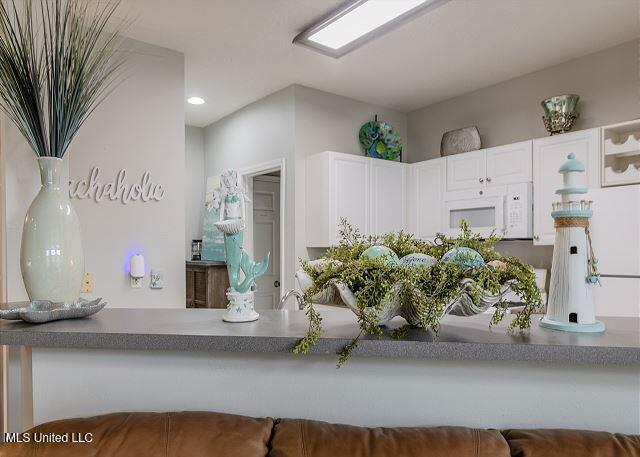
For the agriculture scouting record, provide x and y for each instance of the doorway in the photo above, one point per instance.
(266, 230)
(265, 215)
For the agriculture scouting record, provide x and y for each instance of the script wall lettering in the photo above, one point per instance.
(91, 188)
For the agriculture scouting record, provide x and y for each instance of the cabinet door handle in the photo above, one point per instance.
(536, 237)
(481, 179)
(488, 179)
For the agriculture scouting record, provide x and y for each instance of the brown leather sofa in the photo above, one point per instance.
(200, 434)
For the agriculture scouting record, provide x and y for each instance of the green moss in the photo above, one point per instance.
(430, 289)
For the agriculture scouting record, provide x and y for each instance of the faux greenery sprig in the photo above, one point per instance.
(429, 289)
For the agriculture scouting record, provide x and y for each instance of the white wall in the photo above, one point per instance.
(194, 186)
(365, 391)
(510, 111)
(139, 127)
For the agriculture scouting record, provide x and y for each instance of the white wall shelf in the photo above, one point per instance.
(614, 147)
(620, 154)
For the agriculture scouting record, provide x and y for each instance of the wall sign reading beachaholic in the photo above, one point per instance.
(92, 188)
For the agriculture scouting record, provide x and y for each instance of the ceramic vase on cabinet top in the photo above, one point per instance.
(51, 256)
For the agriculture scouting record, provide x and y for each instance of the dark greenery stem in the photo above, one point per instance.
(58, 60)
(429, 289)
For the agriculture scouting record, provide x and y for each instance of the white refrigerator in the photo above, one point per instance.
(615, 232)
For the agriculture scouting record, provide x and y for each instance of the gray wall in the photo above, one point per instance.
(329, 122)
(258, 133)
(607, 82)
(139, 127)
(194, 185)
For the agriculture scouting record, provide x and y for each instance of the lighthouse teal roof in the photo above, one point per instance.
(572, 164)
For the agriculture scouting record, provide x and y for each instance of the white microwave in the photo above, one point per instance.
(505, 210)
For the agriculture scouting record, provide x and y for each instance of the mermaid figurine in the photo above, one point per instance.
(230, 199)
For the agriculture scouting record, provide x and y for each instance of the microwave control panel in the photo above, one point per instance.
(519, 211)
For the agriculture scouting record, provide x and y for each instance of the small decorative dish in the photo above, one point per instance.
(41, 311)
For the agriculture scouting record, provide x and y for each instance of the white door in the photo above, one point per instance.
(266, 238)
(466, 171)
(548, 155)
(509, 164)
(388, 194)
(350, 187)
(427, 198)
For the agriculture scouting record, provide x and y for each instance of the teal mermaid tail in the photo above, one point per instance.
(251, 270)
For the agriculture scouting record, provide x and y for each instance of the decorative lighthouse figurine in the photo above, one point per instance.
(573, 270)
(230, 199)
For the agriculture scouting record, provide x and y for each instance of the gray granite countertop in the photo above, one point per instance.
(460, 338)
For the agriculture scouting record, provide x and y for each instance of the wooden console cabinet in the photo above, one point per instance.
(207, 284)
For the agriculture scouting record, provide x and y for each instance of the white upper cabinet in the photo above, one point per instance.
(426, 198)
(388, 194)
(369, 193)
(337, 186)
(510, 164)
(548, 155)
(378, 196)
(466, 171)
(350, 192)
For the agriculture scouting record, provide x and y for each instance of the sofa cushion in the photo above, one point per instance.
(193, 434)
(304, 438)
(571, 443)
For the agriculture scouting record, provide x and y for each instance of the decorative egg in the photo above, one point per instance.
(498, 264)
(417, 259)
(381, 252)
(465, 257)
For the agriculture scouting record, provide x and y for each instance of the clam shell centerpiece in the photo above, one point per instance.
(472, 300)
(463, 275)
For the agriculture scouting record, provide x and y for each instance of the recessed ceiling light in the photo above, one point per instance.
(359, 21)
(195, 101)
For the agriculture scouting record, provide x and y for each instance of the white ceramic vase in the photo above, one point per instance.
(51, 256)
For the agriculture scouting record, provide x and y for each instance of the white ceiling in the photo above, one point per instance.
(238, 51)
